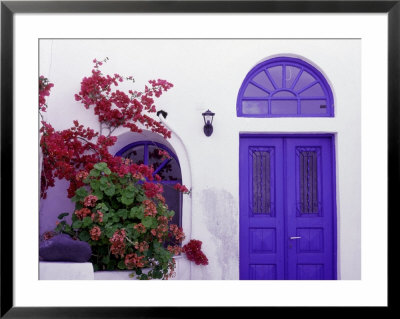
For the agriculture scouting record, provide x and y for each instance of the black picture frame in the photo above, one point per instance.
(9, 8)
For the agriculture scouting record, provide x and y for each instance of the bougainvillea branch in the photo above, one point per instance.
(78, 148)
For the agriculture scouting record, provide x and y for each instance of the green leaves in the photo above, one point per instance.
(102, 206)
(61, 216)
(95, 184)
(136, 212)
(84, 236)
(100, 166)
(105, 259)
(123, 213)
(94, 173)
(126, 201)
(149, 222)
(110, 190)
(121, 265)
(80, 194)
(87, 221)
(77, 224)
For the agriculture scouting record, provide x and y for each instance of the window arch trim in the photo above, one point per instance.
(146, 155)
(276, 88)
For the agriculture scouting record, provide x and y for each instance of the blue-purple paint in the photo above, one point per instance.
(295, 238)
(285, 87)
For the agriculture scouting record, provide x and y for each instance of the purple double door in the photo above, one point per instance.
(287, 207)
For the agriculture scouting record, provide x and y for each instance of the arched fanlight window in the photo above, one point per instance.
(147, 152)
(285, 87)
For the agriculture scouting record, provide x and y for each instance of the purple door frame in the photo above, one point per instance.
(287, 207)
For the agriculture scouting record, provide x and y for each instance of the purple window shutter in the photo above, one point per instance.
(146, 152)
(285, 87)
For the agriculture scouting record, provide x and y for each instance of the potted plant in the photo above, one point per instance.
(124, 218)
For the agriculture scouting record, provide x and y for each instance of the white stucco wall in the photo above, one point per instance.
(207, 74)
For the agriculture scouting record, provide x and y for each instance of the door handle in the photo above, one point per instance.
(295, 237)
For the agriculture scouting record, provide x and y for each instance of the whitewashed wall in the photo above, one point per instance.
(208, 74)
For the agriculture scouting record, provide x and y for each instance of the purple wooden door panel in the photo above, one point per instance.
(287, 214)
(261, 209)
(309, 208)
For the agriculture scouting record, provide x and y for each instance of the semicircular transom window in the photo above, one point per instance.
(285, 87)
(167, 167)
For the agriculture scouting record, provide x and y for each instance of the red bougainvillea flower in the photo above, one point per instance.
(82, 213)
(181, 188)
(44, 90)
(95, 233)
(90, 201)
(194, 253)
(152, 189)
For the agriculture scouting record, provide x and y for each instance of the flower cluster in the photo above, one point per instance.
(194, 253)
(143, 246)
(44, 90)
(116, 108)
(134, 261)
(65, 151)
(81, 175)
(164, 154)
(150, 208)
(181, 188)
(152, 189)
(177, 232)
(140, 228)
(82, 213)
(118, 243)
(90, 201)
(97, 217)
(95, 233)
(176, 250)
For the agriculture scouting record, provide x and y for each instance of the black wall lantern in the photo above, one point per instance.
(208, 119)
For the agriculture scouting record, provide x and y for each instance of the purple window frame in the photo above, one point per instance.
(283, 62)
(146, 144)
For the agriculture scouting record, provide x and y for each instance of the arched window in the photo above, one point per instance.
(285, 87)
(147, 152)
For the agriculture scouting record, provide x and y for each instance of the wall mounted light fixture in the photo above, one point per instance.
(208, 119)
